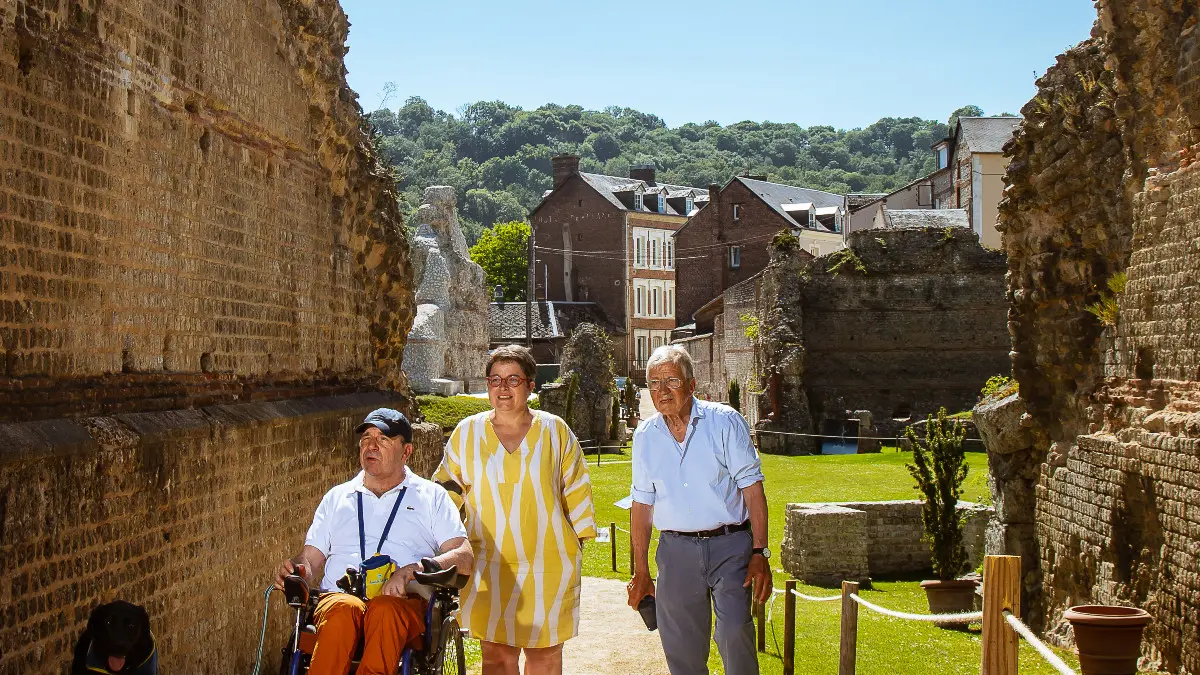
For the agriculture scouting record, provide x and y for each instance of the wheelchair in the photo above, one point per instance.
(441, 651)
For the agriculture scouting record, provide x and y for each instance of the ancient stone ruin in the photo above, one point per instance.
(864, 341)
(588, 359)
(447, 347)
(204, 286)
(1101, 231)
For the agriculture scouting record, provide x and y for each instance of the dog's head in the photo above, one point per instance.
(120, 630)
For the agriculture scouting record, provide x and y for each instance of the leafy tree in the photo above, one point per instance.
(965, 111)
(503, 253)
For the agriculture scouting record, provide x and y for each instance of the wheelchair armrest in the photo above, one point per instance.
(447, 578)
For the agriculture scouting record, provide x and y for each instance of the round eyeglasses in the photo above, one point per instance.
(669, 383)
(512, 381)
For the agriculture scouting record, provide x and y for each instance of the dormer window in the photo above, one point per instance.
(689, 205)
(637, 201)
(942, 156)
(812, 218)
(662, 202)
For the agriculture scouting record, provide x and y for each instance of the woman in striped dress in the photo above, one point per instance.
(528, 502)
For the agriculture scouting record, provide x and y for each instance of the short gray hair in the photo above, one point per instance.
(671, 354)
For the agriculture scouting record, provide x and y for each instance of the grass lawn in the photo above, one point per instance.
(886, 646)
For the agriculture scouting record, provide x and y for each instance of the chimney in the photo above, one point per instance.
(565, 166)
(643, 172)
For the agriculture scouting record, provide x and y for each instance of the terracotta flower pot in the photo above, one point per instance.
(950, 597)
(1109, 638)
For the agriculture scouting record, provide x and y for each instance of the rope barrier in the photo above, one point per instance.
(813, 598)
(1037, 644)
(621, 529)
(965, 617)
(844, 438)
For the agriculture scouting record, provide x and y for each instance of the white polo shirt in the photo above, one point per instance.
(695, 485)
(426, 519)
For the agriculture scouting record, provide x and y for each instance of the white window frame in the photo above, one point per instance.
(735, 257)
(737, 212)
(637, 201)
(670, 253)
(689, 204)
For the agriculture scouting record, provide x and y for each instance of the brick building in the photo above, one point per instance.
(725, 242)
(607, 239)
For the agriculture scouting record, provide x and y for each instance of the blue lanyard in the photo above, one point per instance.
(362, 538)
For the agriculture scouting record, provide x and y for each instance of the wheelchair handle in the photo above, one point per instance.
(296, 591)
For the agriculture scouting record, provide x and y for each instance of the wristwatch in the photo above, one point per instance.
(764, 552)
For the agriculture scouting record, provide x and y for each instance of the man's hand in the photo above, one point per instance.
(400, 578)
(639, 587)
(285, 568)
(759, 574)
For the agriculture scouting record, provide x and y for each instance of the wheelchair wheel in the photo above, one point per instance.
(454, 659)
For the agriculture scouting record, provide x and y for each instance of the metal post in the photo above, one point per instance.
(849, 640)
(789, 628)
(612, 537)
(529, 297)
(1001, 591)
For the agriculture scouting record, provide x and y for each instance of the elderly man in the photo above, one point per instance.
(698, 476)
(385, 509)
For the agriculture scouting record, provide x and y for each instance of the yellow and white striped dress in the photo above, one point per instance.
(526, 512)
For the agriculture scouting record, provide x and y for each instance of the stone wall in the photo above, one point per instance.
(824, 544)
(185, 512)
(1102, 181)
(901, 323)
(190, 209)
(204, 284)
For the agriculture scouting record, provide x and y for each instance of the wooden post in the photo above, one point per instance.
(789, 628)
(612, 538)
(760, 611)
(1001, 591)
(849, 642)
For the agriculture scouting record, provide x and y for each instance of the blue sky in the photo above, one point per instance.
(844, 63)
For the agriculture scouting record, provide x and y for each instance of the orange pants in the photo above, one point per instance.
(386, 625)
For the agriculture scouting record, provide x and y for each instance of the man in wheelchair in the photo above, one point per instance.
(399, 517)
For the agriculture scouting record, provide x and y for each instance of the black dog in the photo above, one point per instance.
(117, 640)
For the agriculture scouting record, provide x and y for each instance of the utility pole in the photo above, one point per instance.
(529, 293)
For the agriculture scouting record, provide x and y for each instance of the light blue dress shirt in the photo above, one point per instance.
(695, 485)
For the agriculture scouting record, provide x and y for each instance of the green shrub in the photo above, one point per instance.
(940, 467)
(1106, 309)
(1000, 386)
(448, 411)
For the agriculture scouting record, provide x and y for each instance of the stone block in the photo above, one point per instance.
(444, 387)
(825, 544)
(999, 424)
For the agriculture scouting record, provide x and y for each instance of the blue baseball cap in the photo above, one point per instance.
(391, 422)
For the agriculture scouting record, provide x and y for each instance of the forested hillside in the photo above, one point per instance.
(498, 156)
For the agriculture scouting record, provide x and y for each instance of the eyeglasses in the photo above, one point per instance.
(670, 382)
(513, 381)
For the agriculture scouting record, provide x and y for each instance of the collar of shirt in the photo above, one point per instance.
(359, 486)
(698, 412)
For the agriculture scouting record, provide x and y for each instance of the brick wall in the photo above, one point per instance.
(703, 246)
(185, 512)
(1113, 409)
(190, 192)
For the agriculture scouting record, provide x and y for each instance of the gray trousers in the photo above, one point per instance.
(697, 577)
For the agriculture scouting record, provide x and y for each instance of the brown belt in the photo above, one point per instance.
(706, 534)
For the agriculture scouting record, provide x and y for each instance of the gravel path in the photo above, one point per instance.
(612, 639)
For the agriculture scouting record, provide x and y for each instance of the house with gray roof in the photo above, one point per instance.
(607, 240)
(725, 242)
(974, 154)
